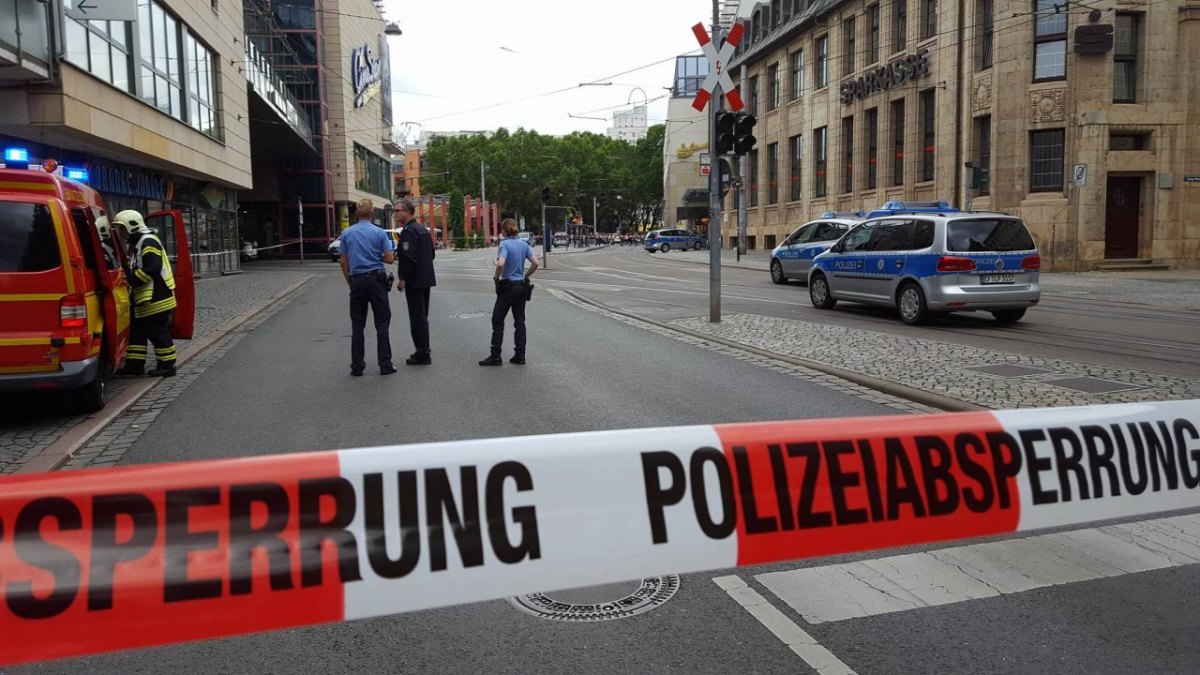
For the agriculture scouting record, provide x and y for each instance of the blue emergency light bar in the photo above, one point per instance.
(16, 155)
(80, 175)
(894, 207)
(843, 214)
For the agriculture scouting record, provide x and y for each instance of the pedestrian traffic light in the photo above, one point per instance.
(725, 137)
(743, 132)
(545, 195)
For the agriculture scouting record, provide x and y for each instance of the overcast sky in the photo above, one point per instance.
(458, 56)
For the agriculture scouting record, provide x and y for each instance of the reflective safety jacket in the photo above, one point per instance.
(152, 280)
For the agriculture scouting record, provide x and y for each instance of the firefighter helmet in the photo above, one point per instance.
(132, 221)
(102, 226)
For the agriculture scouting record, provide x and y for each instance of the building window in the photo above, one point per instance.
(873, 34)
(898, 142)
(773, 173)
(848, 154)
(162, 86)
(102, 48)
(820, 154)
(773, 86)
(775, 13)
(752, 160)
(795, 157)
(983, 153)
(872, 147)
(690, 71)
(928, 19)
(1125, 59)
(928, 114)
(201, 65)
(1121, 141)
(984, 16)
(752, 107)
(1046, 152)
(797, 74)
(1050, 41)
(848, 56)
(821, 64)
(899, 26)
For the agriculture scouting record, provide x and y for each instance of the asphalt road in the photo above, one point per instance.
(285, 387)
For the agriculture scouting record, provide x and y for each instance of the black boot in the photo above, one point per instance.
(493, 360)
(163, 369)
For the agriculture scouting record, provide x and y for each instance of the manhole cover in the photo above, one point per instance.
(1091, 385)
(472, 315)
(1006, 370)
(599, 603)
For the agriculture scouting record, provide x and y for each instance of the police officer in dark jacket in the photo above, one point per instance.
(415, 257)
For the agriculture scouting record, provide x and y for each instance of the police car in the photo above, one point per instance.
(925, 258)
(793, 258)
(666, 240)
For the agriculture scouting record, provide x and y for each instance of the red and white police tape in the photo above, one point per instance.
(107, 559)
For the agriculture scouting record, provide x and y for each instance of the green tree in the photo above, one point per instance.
(456, 215)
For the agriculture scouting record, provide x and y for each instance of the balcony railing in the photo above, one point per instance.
(271, 88)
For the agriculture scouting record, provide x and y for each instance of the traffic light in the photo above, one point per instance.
(545, 195)
(725, 137)
(743, 132)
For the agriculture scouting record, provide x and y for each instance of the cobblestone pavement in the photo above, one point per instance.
(951, 370)
(30, 424)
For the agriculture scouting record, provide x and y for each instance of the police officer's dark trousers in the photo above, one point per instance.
(370, 289)
(509, 295)
(418, 318)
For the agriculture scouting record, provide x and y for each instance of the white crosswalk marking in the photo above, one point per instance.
(917, 580)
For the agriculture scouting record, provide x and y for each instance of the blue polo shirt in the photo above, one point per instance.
(514, 252)
(364, 244)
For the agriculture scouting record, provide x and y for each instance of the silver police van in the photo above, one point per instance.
(925, 257)
(793, 258)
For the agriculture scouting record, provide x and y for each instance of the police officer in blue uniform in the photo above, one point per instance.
(416, 278)
(512, 292)
(365, 249)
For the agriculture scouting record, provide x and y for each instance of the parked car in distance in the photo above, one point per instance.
(676, 239)
(924, 258)
(335, 249)
(793, 258)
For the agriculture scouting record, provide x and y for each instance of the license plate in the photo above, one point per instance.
(997, 279)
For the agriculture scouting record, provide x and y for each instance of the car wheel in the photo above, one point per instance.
(1008, 315)
(696, 246)
(818, 292)
(777, 272)
(911, 303)
(664, 248)
(90, 397)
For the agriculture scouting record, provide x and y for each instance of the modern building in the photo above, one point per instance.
(629, 125)
(150, 108)
(332, 59)
(685, 148)
(1082, 119)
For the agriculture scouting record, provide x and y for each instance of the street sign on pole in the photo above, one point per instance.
(101, 10)
(716, 67)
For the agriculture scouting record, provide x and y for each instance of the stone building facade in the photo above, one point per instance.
(1093, 141)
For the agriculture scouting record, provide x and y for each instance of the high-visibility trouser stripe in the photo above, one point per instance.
(358, 533)
(165, 354)
(152, 308)
(139, 349)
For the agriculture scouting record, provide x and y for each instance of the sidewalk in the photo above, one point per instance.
(27, 427)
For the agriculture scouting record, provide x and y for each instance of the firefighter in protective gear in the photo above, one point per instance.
(153, 291)
(104, 229)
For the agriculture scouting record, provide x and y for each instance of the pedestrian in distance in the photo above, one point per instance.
(416, 279)
(152, 296)
(365, 250)
(512, 292)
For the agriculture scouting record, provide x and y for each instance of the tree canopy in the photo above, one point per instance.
(625, 179)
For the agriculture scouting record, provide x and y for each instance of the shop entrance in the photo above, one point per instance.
(1122, 214)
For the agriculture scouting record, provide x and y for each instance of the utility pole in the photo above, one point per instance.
(594, 221)
(741, 189)
(714, 187)
(483, 200)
